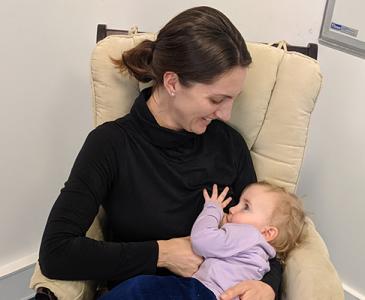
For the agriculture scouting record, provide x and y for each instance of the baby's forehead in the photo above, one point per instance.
(261, 193)
(255, 189)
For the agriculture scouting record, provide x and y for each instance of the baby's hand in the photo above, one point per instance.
(219, 199)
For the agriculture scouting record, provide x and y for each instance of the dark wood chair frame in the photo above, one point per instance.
(311, 50)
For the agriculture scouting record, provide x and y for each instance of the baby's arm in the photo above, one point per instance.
(206, 237)
(210, 240)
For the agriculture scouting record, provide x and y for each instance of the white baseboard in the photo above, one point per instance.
(352, 294)
(18, 265)
(15, 286)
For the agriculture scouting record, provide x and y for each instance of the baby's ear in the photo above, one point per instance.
(270, 233)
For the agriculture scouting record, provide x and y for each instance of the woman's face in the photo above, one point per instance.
(193, 108)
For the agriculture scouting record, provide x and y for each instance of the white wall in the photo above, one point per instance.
(333, 174)
(46, 113)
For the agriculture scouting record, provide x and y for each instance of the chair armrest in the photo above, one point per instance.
(65, 289)
(308, 271)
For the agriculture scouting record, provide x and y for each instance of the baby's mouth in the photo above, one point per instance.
(208, 119)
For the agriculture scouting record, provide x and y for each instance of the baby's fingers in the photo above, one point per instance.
(223, 195)
(206, 195)
(226, 202)
(215, 191)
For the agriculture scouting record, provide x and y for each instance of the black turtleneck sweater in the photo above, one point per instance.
(149, 179)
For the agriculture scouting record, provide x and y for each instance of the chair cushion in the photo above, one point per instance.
(113, 92)
(67, 289)
(308, 272)
(63, 289)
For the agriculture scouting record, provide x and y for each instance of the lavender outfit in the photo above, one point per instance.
(232, 253)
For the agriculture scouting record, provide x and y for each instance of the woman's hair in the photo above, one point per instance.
(198, 45)
(288, 217)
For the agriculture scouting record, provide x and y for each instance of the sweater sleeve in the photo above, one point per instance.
(274, 277)
(245, 176)
(65, 252)
(208, 240)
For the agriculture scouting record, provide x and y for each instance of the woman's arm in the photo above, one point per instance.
(65, 252)
(249, 290)
(273, 278)
(177, 255)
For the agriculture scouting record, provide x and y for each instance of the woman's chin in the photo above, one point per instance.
(200, 128)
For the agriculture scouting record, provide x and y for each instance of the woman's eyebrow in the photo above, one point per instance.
(225, 95)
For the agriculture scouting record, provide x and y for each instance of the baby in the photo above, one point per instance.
(237, 246)
(267, 221)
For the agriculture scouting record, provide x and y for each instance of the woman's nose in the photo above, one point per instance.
(224, 111)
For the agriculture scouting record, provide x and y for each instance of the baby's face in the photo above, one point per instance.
(256, 207)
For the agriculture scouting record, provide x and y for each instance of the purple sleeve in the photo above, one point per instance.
(208, 240)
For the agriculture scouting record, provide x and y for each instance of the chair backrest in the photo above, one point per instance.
(272, 113)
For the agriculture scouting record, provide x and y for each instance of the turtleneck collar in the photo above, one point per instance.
(159, 136)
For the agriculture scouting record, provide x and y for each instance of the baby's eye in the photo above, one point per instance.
(216, 101)
(246, 207)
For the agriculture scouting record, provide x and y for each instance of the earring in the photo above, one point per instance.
(172, 94)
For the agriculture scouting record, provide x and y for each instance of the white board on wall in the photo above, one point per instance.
(343, 26)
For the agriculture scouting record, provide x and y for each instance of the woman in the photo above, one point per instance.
(148, 169)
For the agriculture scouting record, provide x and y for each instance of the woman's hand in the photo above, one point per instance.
(220, 199)
(178, 256)
(249, 290)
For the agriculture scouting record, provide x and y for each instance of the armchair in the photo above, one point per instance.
(272, 114)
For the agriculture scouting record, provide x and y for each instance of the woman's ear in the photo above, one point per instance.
(170, 80)
(270, 233)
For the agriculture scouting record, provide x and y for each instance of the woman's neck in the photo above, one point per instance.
(159, 105)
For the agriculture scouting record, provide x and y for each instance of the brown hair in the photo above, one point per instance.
(288, 217)
(198, 45)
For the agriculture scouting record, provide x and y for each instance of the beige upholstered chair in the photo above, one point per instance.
(272, 114)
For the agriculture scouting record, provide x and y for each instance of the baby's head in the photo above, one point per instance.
(278, 214)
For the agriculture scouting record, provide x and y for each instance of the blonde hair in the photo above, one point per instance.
(288, 217)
